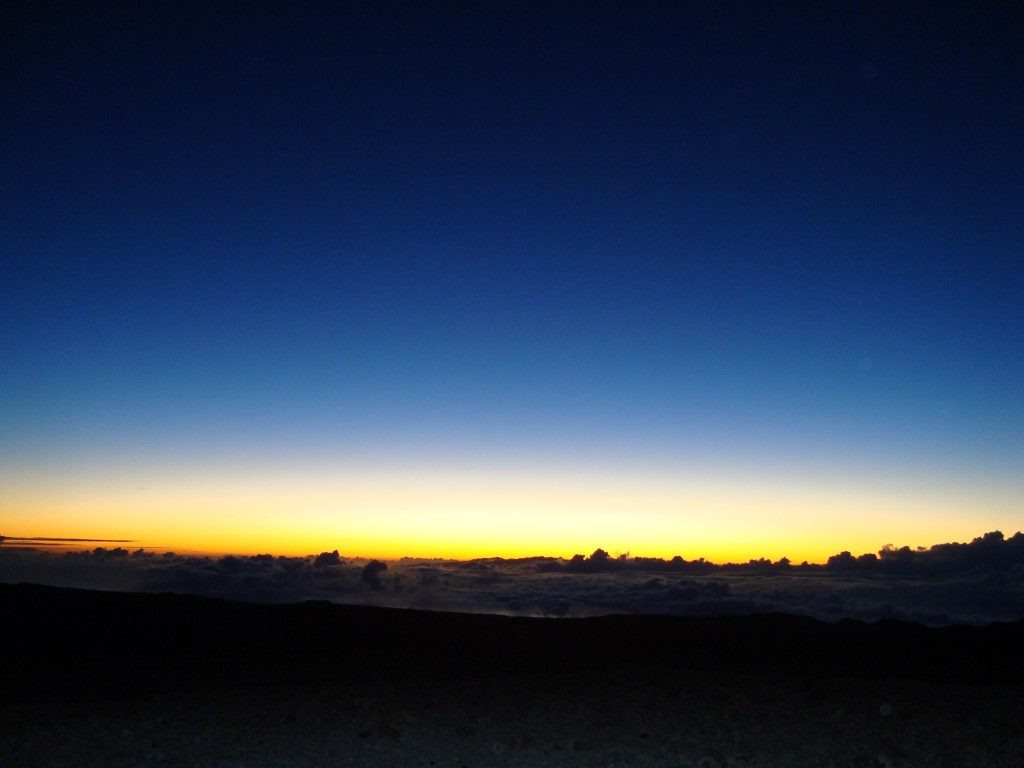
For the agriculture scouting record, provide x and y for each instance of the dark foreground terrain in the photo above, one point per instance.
(109, 679)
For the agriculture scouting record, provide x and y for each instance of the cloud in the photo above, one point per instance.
(327, 559)
(991, 554)
(975, 583)
(371, 574)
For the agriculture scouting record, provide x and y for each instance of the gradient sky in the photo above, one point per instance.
(710, 279)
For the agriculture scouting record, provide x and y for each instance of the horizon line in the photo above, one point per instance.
(625, 556)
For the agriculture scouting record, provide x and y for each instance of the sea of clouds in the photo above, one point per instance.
(972, 583)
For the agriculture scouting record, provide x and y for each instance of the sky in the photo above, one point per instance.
(487, 279)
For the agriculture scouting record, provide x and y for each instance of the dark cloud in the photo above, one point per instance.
(371, 574)
(327, 559)
(992, 555)
(976, 582)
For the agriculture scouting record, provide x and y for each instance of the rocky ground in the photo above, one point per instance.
(641, 718)
(118, 679)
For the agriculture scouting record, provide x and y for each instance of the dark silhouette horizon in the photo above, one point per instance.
(992, 548)
(974, 582)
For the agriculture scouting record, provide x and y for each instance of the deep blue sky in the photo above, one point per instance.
(754, 231)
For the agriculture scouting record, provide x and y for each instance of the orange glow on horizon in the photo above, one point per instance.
(491, 514)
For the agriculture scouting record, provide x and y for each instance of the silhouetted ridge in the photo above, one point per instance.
(83, 644)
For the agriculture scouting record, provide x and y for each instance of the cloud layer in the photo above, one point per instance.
(975, 583)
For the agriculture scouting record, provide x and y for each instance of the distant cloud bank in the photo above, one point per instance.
(976, 582)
